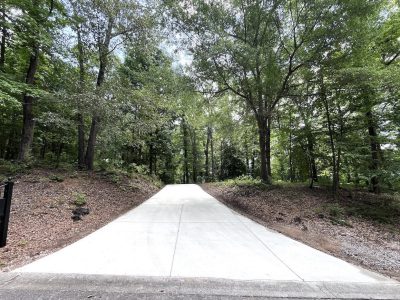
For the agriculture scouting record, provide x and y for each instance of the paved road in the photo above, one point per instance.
(184, 232)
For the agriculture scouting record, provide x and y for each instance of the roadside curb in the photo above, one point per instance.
(76, 286)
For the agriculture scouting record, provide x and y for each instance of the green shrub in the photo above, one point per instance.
(57, 178)
(246, 180)
(80, 199)
(335, 210)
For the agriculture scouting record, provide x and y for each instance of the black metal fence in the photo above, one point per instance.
(5, 205)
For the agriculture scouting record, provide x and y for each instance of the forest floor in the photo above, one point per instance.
(42, 204)
(361, 228)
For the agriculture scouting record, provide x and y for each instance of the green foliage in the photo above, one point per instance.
(335, 210)
(80, 199)
(322, 77)
(57, 178)
(246, 180)
(384, 209)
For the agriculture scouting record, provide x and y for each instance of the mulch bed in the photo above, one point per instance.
(41, 212)
(301, 213)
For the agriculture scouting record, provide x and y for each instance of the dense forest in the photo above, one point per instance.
(204, 90)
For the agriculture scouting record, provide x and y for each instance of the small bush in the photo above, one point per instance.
(80, 199)
(335, 210)
(56, 178)
(8, 168)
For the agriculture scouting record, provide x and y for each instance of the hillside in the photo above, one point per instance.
(43, 200)
(361, 228)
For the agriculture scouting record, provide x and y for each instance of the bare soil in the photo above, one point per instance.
(41, 211)
(314, 218)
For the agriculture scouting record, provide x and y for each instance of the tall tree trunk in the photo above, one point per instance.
(311, 157)
(155, 162)
(291, 172)
(59, 151)
(81, 142)
(185, 151)
(263, 158)
(12, 146)
(206, 153)
(80, 120)
(246, 148)
(194, 156)
(151, 158)
(212, 155)
(44, 149)
(253, 163)
(28, 119)
(265, 149)
(103, 57)
(3, 38)
(375, 153)
(335, 171)
(268, 150)
(89, 157)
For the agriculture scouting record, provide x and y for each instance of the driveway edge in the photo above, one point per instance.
(76, 286)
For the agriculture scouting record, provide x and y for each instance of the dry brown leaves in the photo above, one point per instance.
(300, 213)
(40, 220)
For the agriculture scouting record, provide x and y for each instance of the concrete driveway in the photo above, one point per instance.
(184, 232)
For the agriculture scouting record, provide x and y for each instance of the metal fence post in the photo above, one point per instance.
(5, 205)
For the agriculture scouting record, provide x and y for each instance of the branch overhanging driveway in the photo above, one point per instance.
(184, 232)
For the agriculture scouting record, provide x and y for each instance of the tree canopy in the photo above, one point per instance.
(205, 90)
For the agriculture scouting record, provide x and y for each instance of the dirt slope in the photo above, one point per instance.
(42, 205)
(312, 217)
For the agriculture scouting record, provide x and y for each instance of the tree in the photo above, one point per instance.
(38, 18)
(108, 24)
(254, 49)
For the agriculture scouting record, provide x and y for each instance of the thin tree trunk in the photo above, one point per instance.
(253, 163)
(80, 120)
(185, 151)
(44, 149)
(268, 150)
(194, 155)
(313, 173)
(12, 149)
(246, 147)
(155, 163)
(151, 158)
(375, 153)
(27, 111)
(291, 176)
(206, 153)
(3, 38)
(89, 157)
(59, 151)
(212, 155)
(335, 175)
(81, 142)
